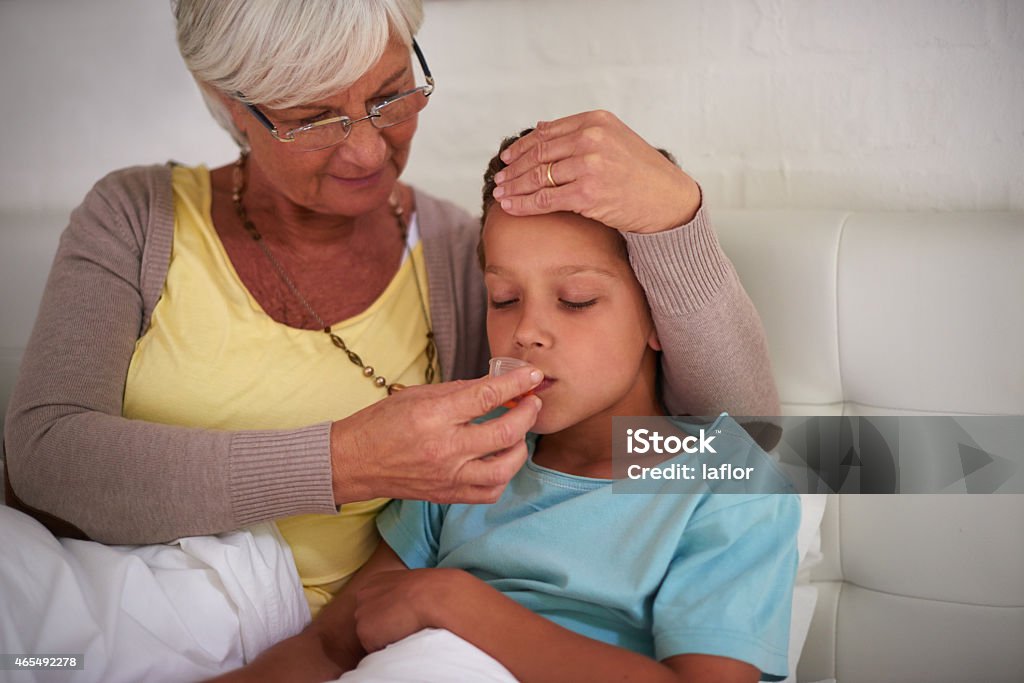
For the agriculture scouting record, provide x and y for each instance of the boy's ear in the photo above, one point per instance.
(652, 339)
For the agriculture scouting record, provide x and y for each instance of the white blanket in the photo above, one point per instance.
(433, 656)
(183, 611)
(429, 656)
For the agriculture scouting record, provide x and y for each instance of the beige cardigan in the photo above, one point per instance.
(72, 455)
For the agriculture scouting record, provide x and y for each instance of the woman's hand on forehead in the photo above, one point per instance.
(595, 165)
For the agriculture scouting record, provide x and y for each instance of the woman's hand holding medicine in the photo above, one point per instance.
(421, 443)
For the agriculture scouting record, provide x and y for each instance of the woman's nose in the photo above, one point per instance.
(365, 146)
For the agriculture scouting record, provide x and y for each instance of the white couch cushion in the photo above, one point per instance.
(900, 314)
(930, 314)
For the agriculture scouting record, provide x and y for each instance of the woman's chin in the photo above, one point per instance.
(356, 204)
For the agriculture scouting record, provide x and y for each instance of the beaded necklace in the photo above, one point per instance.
(368, 370)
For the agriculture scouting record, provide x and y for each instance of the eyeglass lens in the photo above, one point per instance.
(383, 115)
(399, 109)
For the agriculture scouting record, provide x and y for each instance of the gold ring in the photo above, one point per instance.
(551, 181)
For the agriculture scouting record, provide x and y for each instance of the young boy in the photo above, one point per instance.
(561, 579)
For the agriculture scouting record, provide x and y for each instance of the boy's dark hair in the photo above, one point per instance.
(495, 165)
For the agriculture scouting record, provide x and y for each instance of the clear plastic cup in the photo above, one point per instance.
(501, 365)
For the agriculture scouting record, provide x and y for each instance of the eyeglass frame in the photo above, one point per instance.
(373, 112)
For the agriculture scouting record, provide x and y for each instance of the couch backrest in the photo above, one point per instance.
(900, 314)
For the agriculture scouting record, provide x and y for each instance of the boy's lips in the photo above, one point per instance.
(545, 384)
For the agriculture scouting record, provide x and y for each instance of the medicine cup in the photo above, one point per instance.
(502, 365)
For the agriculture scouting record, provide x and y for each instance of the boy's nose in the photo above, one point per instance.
(526, 343)
(531, 333)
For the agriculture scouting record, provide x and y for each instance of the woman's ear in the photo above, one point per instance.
(235, 111)
(229, 113)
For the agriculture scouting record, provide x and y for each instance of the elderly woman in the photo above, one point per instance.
(221, 347)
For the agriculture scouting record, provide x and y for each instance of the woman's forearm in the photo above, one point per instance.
(69, 451)
(715, 354)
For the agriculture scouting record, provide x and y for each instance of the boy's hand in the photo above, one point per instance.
(396, 604)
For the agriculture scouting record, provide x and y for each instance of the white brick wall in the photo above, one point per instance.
(849, 104)
(876, 104)
(798, 103)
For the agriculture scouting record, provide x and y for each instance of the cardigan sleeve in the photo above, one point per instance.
(72, 455)
(715, 355)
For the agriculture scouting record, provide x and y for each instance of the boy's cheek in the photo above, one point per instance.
(498, 337)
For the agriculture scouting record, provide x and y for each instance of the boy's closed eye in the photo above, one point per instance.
(501, 295)
(576, 291)
(577, 305)
(571, 305)
(499, 304)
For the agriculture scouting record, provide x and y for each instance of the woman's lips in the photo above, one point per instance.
(362, 181)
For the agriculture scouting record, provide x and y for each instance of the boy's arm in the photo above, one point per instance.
(329, 646)
(533, 648)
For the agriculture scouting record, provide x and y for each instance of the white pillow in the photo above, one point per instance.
(808, 536)
(429, 655)
(808, 543)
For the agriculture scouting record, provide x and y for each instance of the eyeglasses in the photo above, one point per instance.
(382, 113)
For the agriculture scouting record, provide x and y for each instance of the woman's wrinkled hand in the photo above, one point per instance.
(595, 165)
(421, 443)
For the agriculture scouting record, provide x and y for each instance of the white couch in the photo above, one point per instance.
(866, 313)
(900, 314)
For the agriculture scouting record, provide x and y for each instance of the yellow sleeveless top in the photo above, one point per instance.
(213, 359)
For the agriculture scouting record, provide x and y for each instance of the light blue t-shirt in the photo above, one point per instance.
(659, 574)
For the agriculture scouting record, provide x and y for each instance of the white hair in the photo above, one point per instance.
(283, 53)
